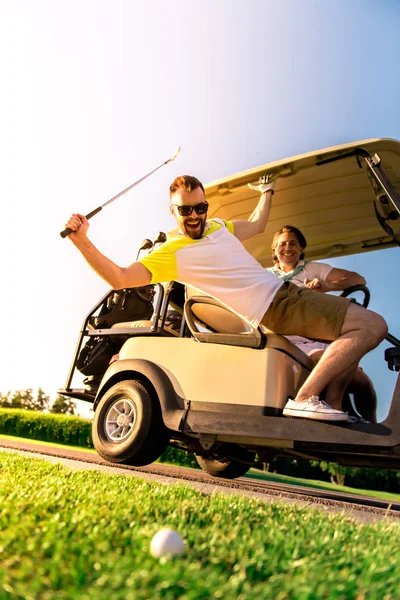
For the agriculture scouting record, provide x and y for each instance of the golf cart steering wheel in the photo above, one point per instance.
(358, 288)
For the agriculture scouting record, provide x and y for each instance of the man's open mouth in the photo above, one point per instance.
(193, 225)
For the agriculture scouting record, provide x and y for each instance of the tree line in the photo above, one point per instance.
(369, 478)
(30, 400)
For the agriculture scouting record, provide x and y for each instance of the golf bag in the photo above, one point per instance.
(130, 304)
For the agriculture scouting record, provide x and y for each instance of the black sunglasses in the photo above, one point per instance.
(184, 210)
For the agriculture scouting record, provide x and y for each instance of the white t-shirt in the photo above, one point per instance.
(219, 265)
(309, 270)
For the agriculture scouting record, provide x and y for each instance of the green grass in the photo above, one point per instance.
(67, 534)
(14, 438)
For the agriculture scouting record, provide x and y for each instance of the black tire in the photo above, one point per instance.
(141, 437)
(227, 468)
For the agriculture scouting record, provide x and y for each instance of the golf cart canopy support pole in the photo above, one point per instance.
(374, 164)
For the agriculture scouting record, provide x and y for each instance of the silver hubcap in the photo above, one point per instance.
(120, 419)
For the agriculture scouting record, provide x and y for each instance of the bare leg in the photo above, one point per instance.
(347, 405)
(365, 399)
(335, 389)
(362, 331)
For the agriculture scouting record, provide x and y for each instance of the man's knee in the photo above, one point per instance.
(379, 327)
(370, 323)
(376, 328)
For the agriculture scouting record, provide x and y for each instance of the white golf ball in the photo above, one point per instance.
(167, 541)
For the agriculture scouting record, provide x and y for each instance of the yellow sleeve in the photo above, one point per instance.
(230, 227)
(161, 263)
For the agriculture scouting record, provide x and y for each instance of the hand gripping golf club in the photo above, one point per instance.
(67, 231)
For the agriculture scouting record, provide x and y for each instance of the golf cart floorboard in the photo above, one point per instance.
(291, 430)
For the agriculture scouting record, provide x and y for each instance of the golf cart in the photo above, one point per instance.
(165, 364)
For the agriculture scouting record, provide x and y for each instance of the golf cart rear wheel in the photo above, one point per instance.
(228, 468)
(128, 427)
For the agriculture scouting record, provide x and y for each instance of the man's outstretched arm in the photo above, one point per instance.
(336, 280)
(258, 219)
(117, 277)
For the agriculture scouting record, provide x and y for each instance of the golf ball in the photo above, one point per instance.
(167, 541)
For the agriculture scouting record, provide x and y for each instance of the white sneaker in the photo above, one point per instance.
(313, 408)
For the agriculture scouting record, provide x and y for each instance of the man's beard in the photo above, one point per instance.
(197, 233)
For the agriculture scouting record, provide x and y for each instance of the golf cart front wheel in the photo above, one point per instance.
(227, 468)
(128, 427)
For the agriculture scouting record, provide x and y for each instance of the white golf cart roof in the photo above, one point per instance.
(332, 195)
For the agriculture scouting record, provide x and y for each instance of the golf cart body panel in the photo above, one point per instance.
(221, 385)
(211, 377)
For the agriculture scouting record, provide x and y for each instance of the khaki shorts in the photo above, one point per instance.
(300, 311)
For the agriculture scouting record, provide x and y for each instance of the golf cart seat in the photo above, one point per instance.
(228, 328)
(132, 324)
(215, 316)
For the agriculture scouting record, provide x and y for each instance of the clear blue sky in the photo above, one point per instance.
(97, 93)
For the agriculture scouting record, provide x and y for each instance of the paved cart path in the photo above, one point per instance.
(355, 506)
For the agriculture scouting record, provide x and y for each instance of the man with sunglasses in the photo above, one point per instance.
(209, 255)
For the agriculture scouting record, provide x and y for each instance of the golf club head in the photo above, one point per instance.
(160, 238)
(145, 244)
(175, 154)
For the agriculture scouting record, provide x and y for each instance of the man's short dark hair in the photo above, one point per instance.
(288, 229)
(185, 182)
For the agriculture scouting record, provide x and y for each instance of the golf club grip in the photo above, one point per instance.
(94, 212)
(67, 231)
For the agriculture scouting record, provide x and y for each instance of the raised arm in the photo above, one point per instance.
(117, 277)
(336, 280)
(258, 219)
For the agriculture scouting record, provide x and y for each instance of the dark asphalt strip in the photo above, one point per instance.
(242, 484)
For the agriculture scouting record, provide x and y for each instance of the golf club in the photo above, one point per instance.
(144, 245)
(160, 238)
(67, 231)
